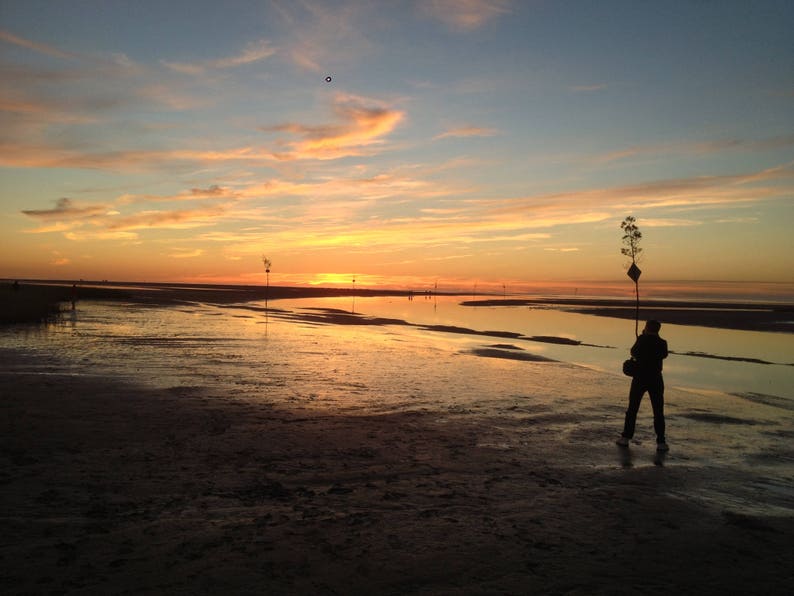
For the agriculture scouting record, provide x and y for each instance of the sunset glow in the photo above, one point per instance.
(485, 143)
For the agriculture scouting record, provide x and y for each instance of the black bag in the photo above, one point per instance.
(630, 367)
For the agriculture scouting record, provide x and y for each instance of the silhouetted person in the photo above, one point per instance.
(649, 350)
(74, 296)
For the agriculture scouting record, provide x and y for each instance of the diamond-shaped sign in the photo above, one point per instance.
(634, 272)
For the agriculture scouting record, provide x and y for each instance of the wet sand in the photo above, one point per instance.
(111, 488)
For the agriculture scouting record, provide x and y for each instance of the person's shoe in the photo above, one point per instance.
(662, 447)
(622, 442)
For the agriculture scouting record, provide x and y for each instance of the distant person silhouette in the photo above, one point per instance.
(649, 350)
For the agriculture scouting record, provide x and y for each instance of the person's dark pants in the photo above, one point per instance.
(654, 385)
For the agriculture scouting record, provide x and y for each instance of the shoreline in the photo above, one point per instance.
(775, 317)
(115, 487)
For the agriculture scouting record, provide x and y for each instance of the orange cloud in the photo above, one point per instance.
(83, 235)
(599, 204)
(30, 155)
(177, 219)
(186, 254)
(363, 122)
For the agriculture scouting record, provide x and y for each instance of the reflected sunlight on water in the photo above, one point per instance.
(243, 344)
(613, 337)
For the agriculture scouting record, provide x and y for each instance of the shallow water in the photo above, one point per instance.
(285, 358)
(612, 337)
(249, 346)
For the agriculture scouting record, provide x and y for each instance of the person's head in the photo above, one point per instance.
(652, 327)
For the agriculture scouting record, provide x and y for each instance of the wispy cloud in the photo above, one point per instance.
(40, 48)
(320, 36)
(465, 15)
(186, 254)
(670, 222)
(255, 51)
(178, 219)
(594, 205)
(213, 192)
(467, 131)
(44, 155)
(39, 112)
(83, 235)
(765, 144)
(698, 148)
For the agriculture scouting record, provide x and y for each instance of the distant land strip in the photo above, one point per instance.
(753, 316)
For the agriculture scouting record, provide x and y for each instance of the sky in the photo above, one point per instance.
(485, 143)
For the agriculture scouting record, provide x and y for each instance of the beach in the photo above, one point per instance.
(498, 476)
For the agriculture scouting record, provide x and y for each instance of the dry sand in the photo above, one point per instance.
(111, 488)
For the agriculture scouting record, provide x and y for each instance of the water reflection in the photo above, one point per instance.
(225, 337)
(615, 336)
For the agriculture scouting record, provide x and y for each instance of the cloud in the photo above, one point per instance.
(213, 192)
(85, 235)
(44, 155)
(465, 15)
(49, 228)
(319, 36)
(362, 122)
(767, 144)
(738, 220)
(98, 222)
(186, 254)
(179, 219)
(699, 147)
(40, 48)
(66, 209)
(467, 131)
(254, 52)
(41, 110)
(596, 205)
(670, 223)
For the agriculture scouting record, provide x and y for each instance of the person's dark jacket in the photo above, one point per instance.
(649, 350)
